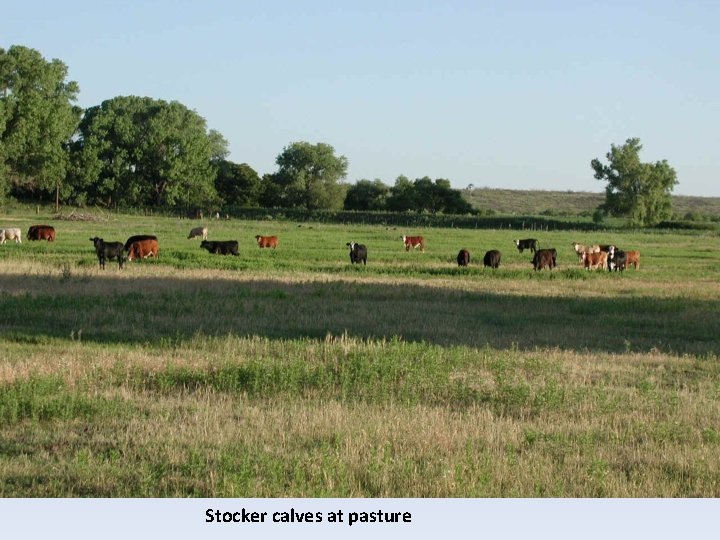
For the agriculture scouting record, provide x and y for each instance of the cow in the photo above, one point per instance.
(142, 249)
(221, 247)
(108, 251)
(595, 260)
(267, 241)
(527, 243)
(11, 234)
(617, 259)
(582, 248)
(633, 257)
(544, 258)
(463, 257)
(492, 258)
(358, 253)
(41, 232)
(138, 238)
(413, 242)
(200, 232)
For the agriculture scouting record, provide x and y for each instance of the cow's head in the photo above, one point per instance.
(96, 241)
(351, 245)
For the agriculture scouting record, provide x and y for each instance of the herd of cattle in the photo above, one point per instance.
(601, 256)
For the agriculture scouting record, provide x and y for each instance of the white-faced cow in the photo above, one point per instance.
(527, 243)
(414, 242)
(358, 253)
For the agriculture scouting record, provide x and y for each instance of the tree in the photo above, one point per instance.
(639, 191)
(237, 184)
(309, 176)
(367, 195)
(402, 195)
(37, 120)
(145, 152)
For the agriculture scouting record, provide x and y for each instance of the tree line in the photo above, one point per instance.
(132, 151)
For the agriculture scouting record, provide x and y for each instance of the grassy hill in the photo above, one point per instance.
(525, 202)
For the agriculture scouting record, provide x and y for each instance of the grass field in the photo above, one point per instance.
(292, 373)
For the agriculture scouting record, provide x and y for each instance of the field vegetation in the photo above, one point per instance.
(291, 373)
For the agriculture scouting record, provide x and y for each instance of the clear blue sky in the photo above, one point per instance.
(514, 94)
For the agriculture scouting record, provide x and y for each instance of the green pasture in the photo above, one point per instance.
(291, 372)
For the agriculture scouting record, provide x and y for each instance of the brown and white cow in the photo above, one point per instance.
(582, 248)
(413, 242)
(142, 249)
(267, 241)
(41, 232)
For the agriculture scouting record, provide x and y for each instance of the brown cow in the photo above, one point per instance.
(544, 258)
(595, 260)
(267, 241)
(463, 257)
(633, 257)
(142, 249)
(413, 242)
(41, 232)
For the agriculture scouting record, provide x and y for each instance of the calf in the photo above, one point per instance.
(41, 232)
(224, 247)
(198, 232)
(109, 251)
(582, 248)
(544, 258)
(527, 243)
(11, 234)
(358, 253)
(138, 238)
(267, 241)
(617, 259)
(633, 257)
(413, 242)
(142, 249)
(492, 258)
(463, 257)
(595, 260)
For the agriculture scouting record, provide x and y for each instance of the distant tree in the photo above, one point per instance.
(639, 191)
(237, 184)
(37, 119)
(367, 195)
(309, 176)
(141, 151)
(402, 195)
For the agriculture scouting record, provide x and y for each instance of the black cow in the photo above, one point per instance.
(138, 238)
(492, 258)
(223, 247)
(527, 243)
(463, 257)
(617, 259)
(358, 253)
(109, 251)
(544, 258)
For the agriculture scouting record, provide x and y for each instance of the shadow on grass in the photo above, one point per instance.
(158, 311)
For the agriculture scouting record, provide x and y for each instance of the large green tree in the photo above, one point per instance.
(367, 195)
(146, 152)
(308, 176)
(237, 184)
(37, 119)
(636, 190)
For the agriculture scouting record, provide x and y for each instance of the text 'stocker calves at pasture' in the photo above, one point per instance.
(358, 253)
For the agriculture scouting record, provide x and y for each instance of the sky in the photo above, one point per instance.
(501, 94)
